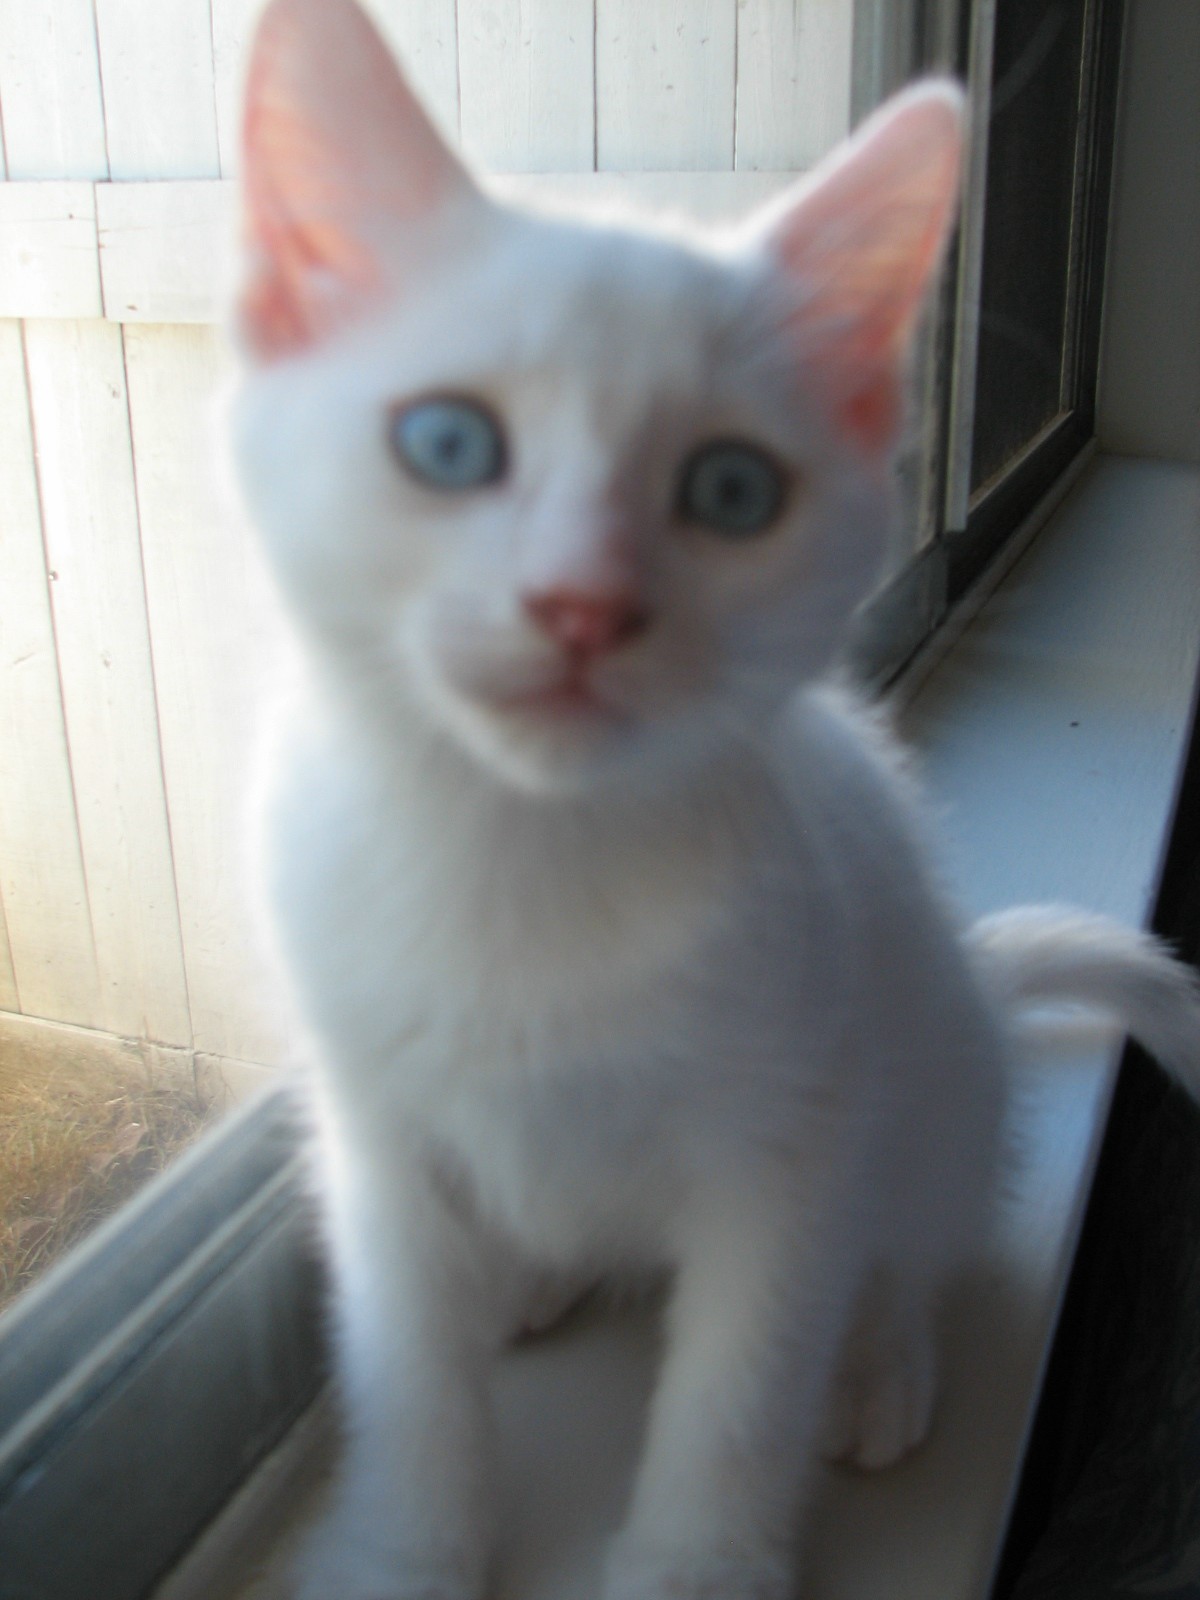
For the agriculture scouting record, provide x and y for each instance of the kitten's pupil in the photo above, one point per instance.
(732, 488)
(448, 442)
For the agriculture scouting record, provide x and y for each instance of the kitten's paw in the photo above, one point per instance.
(365, 1577)
(633, 1572)
(336, 1563)
(881, 1407)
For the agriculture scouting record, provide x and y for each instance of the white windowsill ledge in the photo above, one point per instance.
(1053, 734)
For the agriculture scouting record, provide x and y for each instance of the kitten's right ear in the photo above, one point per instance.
(340, 162)
(859, 241)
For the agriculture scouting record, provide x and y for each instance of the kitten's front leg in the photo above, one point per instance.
(761, 1300)
(410, 1510)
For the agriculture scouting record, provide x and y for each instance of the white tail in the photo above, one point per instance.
(1035, 956)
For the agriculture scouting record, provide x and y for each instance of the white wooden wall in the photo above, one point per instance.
(135, 623)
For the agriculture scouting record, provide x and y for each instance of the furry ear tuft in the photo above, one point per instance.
(337, 154)
(860, 242)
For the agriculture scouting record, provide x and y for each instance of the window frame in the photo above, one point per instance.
(963, 534)
(200, 1300)
(999, 506)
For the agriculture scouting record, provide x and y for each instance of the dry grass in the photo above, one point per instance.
(73, 1147)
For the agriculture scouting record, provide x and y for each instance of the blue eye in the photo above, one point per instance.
(448, 443)
(735, 489)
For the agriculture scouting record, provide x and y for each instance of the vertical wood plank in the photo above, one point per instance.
(9, 1000)
(214, 627)
(424, 35)
(526, 77)
(157, 69)
(89, 519)
(232, 28)
(793, 81)
(50, 90)
(665, 85)
(41, 870)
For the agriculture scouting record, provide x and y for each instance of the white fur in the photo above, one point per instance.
(1039, 956)
(665, 990)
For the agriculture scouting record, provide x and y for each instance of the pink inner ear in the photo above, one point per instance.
(873, 415)
(861, 244)
(305, 262)
(339, 159)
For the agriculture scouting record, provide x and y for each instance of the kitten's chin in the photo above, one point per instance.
(552, 751)
(553, 746)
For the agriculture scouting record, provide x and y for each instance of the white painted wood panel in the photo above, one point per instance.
(526, 80)
(8, 978)
(41, 872)
(665, 84)
(90, 529)
(706, 197)
(50, 99)
(213, 627)
(424, 36)
(165, 249)
(232, 27)
(48, 265)
(157, 67)
(793, 81)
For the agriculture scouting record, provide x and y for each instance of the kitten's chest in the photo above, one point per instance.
(396, 916)
(586, 1141)
(585, 1164)
(574, 1045)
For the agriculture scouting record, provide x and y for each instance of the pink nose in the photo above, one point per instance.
(588, 624)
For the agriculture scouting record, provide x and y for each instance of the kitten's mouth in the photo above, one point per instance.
(571, 697)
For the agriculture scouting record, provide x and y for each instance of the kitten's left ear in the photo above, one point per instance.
(860, 244)
(342, 171)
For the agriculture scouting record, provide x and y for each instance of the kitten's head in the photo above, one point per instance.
(591, 498)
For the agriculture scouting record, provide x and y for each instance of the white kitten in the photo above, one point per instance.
(612, 922)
